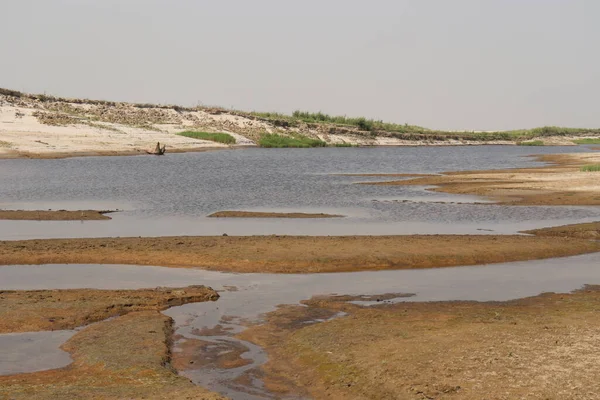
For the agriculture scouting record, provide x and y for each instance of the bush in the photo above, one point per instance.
(587, 141)
(591, 168)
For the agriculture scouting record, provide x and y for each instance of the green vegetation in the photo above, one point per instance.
(215, 137)
(279, 141)
(587, 141)
(413, 132)
(531, 143)
(591, 168)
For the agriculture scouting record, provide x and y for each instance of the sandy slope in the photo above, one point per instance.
(41, 126)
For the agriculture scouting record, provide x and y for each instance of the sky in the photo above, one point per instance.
(443, 64)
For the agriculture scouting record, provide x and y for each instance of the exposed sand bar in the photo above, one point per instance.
(50, 215)
(295, 254)
(255, 214)
(562, 183)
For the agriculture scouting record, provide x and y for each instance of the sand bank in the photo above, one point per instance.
(295, 254)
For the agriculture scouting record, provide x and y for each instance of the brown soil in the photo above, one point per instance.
(560, 184)
(49, 215)
(294, 254)
(543, 347)
(44, 310)
(123, 358)
(253, 214)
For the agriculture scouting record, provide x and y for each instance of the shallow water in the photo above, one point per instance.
(258, 294)
(172, 195)
(33, 351)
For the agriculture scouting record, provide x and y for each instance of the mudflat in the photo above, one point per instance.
(45, 310)
(297, 254)
(126, 357)
(54, 215)
(543, 347)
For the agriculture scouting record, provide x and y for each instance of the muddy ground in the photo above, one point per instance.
(54, 215)
(559, 184)
(296, 254)
(45, 310)
(543, 347)
(254, 214)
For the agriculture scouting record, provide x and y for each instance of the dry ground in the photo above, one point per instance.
(543, 347)
(296, 254)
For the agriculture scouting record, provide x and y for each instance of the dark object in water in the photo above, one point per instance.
(158, 151)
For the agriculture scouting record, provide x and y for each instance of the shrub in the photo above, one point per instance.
(591, 168)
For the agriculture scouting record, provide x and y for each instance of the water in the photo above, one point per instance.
(257, 294)
(172, 195)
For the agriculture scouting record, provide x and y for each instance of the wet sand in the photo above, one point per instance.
(542, 347)
(254, 214)
(54, 215)
(561, 183)
(295, 254)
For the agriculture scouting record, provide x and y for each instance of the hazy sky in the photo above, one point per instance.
(452, 64)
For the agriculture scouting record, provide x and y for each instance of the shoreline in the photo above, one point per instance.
(108, 153)
(14, 154)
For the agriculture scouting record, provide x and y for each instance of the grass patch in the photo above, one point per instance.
(591, 168)
(279, 141)
(531, 143)
(587, 141)
(214, 137)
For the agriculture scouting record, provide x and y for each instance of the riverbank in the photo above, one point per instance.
(297, 254)
(540, 347)
(42, 126)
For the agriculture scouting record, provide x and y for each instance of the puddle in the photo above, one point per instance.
(33, 351)
(256, 294)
